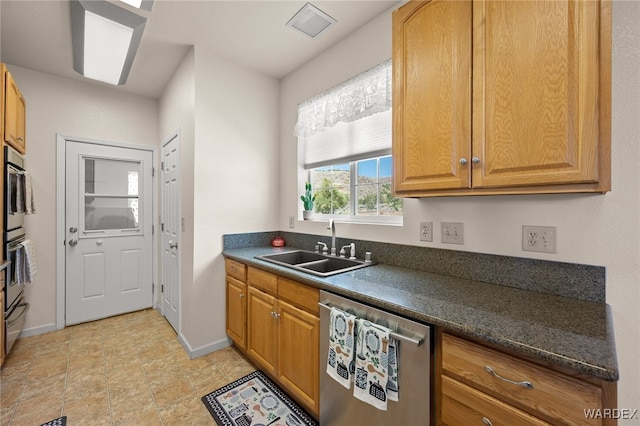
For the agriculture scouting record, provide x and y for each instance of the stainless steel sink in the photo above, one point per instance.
(314, 263)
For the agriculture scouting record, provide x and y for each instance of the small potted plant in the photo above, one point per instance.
(307, 199)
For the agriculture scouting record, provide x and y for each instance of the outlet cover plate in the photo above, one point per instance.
(452, 232)
(426, 231)
(540, 239)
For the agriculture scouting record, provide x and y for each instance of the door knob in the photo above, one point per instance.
(73, 229)
(73, 242)
(173, 245)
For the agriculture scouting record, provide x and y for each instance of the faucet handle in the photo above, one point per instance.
(325, 249)
(353, 251)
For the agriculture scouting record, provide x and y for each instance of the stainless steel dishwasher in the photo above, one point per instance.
(338, 406)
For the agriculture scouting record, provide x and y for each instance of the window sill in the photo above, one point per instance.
(361, 220)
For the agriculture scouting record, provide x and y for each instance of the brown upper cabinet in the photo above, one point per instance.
(501, 97)
(14, 113)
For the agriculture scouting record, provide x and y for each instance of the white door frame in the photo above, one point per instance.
(61, 141)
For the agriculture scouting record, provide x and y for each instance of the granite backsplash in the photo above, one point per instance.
(577, 281)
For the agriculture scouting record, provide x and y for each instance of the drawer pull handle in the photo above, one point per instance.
(486, 421)
(524, 383)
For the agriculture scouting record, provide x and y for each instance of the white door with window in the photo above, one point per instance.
(170, 228)
(108, 231)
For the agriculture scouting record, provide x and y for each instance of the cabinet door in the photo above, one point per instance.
(262, 326)
(299, 346)
(535, 92)
(14, 131)
(237, 311)
(432, 96)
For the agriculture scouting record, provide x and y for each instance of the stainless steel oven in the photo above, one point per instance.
(13, 166)
(13, 291)
(15, 307)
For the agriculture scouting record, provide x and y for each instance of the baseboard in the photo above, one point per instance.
(203, 350)
(26, 332)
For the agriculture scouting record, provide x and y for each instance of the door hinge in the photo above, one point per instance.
(162, 227)
(161, 288)
(153, 171)
(162, 166)
(153, 229)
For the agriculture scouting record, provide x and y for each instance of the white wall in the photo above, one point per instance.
(59, 105)
(592, 229)
(235, 186)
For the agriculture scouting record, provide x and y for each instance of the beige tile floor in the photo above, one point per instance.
(125, 370)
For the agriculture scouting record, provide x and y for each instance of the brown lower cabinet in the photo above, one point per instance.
(275, 322)
(484, 386)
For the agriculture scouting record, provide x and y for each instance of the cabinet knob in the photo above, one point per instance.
(475, 160)
(463, 161)
(241, 295)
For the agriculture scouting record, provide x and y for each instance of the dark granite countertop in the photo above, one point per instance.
(566, 332)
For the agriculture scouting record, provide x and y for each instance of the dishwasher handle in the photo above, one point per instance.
(413, 340)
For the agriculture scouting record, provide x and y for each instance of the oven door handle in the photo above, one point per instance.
(24, 311)
(415, 341)
(5, 265)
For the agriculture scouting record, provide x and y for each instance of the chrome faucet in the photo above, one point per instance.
(332, 226)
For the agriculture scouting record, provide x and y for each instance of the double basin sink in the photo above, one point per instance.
(322, 265)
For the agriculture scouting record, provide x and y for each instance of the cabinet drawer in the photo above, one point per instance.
(263, 280)
(464, 405)
(236, 270)
(301, 295)
(468, 362)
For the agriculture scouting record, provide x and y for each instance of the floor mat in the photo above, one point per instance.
(255, 400)
(60, 421)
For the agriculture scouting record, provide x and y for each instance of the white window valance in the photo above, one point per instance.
(363, 95)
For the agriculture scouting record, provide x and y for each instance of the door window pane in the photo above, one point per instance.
(111, 177)
(111, 194)
(104, 213)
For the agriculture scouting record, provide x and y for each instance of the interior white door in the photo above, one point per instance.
(170, 227)
(108, 200)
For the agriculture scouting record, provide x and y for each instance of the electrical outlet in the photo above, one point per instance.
(426, 231)
(539, 238)
(292, 221)
(452, 232)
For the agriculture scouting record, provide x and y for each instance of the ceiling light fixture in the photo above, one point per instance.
(105, 40)
(311, 21)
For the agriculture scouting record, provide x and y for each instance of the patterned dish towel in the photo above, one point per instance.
(376, 376)
(340, 360)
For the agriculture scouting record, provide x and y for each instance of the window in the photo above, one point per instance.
(111, 195)
(345, 135)
(357, 191)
